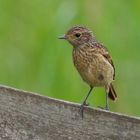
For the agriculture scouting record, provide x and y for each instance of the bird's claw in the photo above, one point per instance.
(82, 108)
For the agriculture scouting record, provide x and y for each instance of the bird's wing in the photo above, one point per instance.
(103, 50)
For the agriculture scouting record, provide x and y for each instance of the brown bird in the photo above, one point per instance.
(92, 60)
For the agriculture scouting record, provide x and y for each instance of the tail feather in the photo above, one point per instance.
(112, 94)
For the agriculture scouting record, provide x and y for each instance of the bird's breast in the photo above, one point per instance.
(80, 60)
(93, 68)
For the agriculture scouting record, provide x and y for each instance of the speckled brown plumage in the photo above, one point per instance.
(91, 59)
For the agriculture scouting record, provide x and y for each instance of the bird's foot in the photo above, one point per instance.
(82, 108)
(107, 108)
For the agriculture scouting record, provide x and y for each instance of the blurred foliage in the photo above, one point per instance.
(32, 57)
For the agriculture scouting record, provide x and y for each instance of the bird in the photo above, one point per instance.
(93, 62)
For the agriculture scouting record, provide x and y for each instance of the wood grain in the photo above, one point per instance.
(28, 116)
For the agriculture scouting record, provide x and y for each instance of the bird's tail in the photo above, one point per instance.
(112, 94)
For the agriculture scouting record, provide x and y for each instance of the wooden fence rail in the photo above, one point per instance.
(28, 116)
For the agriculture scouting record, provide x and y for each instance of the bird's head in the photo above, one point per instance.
(78, 35)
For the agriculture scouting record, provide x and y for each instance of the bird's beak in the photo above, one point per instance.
(62, 37)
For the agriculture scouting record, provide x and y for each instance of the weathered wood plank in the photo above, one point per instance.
(28, 116)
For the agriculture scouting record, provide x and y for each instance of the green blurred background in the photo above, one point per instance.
(32, 58)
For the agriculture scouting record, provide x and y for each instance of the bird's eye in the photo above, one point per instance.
(77, 35)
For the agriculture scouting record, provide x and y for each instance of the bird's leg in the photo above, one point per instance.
(84, 103)
(106, 107)
(106, 101)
